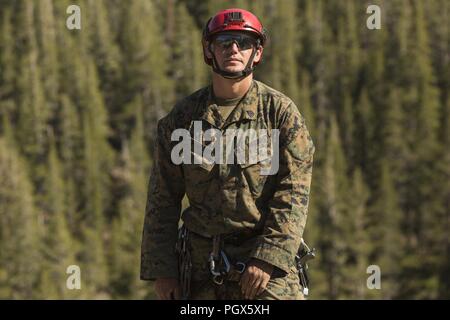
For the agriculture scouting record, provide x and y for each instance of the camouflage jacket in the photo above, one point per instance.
(228, 198)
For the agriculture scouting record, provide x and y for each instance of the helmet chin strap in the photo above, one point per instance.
(234, 75)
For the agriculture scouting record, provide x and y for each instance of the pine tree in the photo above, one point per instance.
(7, 61)
(48, 55)
(436, 14)
(97, 164)
(19, 227)
(419, 200)
(394, 150)
(33, 112)
(58, 247)
(332, 190)
(199, 11)
(305, 105)
(364, 131)
(353, 228)
(217, 5)
(316, 58)
(283, 72)
(125, 242)
(444, 193)
(386, 217)
(348, 56)
(147, 64)
(103, 48)
(97, 152)
(71, 146)
(385, 232)
(189, 71)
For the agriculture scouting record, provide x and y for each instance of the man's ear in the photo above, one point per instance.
(206, 49)
(258, 54)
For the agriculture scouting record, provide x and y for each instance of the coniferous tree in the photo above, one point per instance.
(7, 62)
(20, 227)
(104, 50)
(333, 186)
(125, 243)
(97, 166)
(383, 229)
(364, 131)
(443, 190)
(354, 235)
(48, 55)
(421, 202)
(146, 68)
(315, 57)
(189, 71)
(33, 112)
(305, 105)
(283, 72)
(58, 247)
(71, 146)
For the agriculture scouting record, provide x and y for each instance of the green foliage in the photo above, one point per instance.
(20, 227)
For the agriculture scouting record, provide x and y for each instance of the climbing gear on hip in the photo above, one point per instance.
(220, 266)
(303, 256)
(184, 262)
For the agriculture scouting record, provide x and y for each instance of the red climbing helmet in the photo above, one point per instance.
(233, 20)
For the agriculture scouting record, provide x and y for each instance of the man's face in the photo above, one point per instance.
(233, 50)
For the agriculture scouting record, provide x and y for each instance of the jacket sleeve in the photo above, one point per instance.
(288, 207)
(162, 213)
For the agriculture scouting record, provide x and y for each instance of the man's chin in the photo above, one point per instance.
(233, 69)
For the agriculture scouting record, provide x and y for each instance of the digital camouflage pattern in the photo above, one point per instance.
(230, 198)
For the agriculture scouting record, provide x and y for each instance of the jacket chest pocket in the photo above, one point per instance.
(253, 176)
(198, 180)
(200, 171)
(258, 150)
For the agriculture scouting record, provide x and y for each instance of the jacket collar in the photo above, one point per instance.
(246, 109)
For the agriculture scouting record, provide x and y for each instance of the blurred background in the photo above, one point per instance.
(78, 109)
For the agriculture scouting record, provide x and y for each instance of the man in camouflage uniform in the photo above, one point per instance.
(255, 221)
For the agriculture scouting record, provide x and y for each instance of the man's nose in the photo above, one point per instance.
(234, 47)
